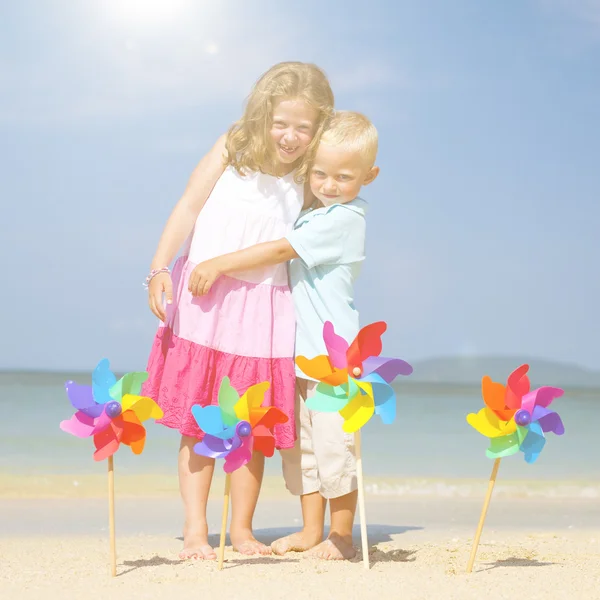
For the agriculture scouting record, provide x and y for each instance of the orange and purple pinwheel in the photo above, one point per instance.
(353, 379)
(237, 426)
(516, 417)
(111, 411)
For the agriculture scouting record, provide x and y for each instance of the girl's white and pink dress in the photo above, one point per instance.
(244, 327)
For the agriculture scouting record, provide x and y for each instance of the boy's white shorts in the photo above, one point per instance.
(323, 458)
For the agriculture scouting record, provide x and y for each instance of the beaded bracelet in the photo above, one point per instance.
(153, 274)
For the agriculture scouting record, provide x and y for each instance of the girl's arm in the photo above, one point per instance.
(181, 222)
(186, 211)
(260, 255)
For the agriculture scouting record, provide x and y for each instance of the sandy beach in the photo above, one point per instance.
(54, 544)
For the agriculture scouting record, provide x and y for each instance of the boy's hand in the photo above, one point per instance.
(160, 284)
(203, 277)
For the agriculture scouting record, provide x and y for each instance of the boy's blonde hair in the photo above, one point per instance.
(248, 144)
(352, 131)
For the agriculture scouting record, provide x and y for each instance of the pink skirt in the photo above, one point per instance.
(241, 330)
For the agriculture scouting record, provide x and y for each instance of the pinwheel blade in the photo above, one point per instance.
(249, 408)
(517, 386)
(488, 424)
(82, 398)
(80, 425)
(366, 345)
(320, 368)
(130, 383)
(501, 447)
(336, 346)
(107, 441)
(228, 398)
(102, 380)
(239, 457)
(494, 397)
(533, 443)
(209, 419)
(264, 441)
(213, 447)
(143, 407)
(327, 398)
(387, 368)
(384, 398)
(134, 433)
(357, 412)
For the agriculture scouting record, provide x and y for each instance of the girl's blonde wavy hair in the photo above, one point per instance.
(248, 143)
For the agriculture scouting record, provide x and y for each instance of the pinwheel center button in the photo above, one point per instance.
(356, 371)
(243, 429)
(522, 417)
(113, 409)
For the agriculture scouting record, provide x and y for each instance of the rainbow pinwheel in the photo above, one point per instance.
(111, 411)
(516, 417)
(237, 426)
(233, 430)
(354, 379)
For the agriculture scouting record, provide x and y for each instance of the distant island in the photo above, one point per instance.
(453, 372)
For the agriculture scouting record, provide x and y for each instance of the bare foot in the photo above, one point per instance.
(195, 544)
(335, 547)
(245, 543)
(300, 541)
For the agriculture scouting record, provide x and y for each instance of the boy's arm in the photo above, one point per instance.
(261, 255)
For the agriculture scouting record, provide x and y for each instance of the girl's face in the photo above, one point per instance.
(293, 128)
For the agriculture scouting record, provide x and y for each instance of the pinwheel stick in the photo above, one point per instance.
(111, 517)
(486, 503)
(361, 501)
(224, 521)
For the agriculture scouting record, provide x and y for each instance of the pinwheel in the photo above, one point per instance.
(515, 419)
(112, 413)
(233, 430)
(355, 381)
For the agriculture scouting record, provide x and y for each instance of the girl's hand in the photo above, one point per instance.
(203, 277)
(159, 285)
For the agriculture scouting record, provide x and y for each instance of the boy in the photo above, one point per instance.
(325, 250)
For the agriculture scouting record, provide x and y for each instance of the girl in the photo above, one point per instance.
(246, 190)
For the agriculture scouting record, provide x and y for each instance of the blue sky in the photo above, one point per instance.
(483, 225)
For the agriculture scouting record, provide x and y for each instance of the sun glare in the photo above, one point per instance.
(145, 14)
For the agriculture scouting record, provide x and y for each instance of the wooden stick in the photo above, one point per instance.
(361, 501)
(486, 503)
(224, 521)
(111, 517)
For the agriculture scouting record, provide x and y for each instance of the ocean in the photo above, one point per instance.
(430, 439)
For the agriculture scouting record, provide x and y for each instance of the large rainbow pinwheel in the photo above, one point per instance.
(514, 418)
(354, 379)
(235, 429)
(111, 411)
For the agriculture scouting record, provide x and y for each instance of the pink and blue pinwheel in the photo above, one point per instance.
(353, 379)
(111, 411)
(237, 426)
(516, 417)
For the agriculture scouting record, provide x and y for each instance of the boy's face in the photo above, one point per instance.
(337, 175)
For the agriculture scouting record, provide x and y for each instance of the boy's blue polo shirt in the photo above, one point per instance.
(330, 242)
